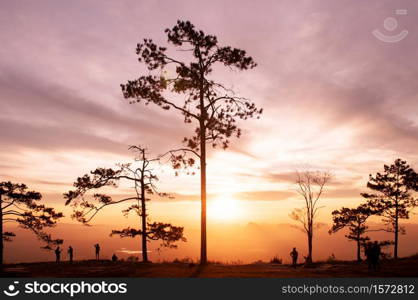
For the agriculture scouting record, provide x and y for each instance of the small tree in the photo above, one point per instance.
(355, 220)
(143, 179)
(212, 107)
(164, 232)
(310, 185)
(19, 205)
(393, 199)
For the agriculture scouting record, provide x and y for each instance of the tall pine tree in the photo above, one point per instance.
(193, 92)
(392, 197)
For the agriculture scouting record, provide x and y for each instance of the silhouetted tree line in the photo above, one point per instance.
(214, 109)
(211, 106)
(391, 198)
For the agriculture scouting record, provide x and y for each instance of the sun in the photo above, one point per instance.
(224, 208)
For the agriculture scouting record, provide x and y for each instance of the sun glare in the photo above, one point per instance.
(224, 208)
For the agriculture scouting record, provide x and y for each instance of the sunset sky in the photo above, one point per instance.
(334, 96)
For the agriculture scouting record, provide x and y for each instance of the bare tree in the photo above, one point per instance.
(310, 185)
(143, 178)
(20, 205)
(212, 107)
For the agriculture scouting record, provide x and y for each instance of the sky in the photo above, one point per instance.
(335, 97)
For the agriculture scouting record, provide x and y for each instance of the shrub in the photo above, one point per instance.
(132, 258)
(185, 260)
(276, 260)
(331, 258)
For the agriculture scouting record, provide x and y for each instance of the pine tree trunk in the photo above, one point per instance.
(358, 249)
(144, 221)
(202, 126)
(1, 233)
(203, 245)
(396, 225)
(395, 251)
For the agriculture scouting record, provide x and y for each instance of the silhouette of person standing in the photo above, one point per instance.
(376, 252)
(369, 255)
(294, 254)
(70, 254)
(58, 254)
(97, 247)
